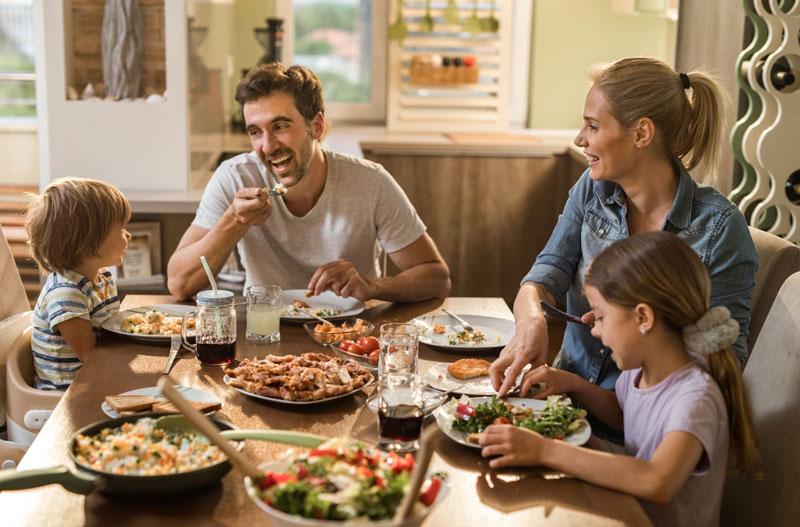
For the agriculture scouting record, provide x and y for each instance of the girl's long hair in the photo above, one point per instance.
(690, 122)
(661, 270)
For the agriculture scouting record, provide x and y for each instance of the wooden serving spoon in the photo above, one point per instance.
(421, 464)
(207, 428)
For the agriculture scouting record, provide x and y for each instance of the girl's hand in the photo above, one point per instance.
(516, 446)
(556, 381)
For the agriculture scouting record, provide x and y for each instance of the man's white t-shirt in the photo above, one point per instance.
(361, 209)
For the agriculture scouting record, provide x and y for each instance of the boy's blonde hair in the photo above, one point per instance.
(71, 219)
(661, 270)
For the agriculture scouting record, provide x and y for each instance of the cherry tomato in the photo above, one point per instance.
(430, 489)
(369, 343)
(374, 356)
(343, 345)
(355, 349)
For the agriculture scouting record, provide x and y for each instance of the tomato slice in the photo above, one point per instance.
(430, 489)
(464, 411)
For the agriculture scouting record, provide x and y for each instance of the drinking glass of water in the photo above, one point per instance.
(263, 313)
(399, 349)
(401, 404)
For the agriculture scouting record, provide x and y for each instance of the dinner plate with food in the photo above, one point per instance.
(469, 376)
(149, 323)
(464, 420)
(296, 304)
(150, 400)
(310, 378)
(443, 331)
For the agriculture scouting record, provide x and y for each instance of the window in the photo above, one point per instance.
(17, 88)
(344, 43)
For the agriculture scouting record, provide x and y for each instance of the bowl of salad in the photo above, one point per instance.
(342, 482)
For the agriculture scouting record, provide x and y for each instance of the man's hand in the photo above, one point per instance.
(528, 345)
(341, 277)
(251, 206)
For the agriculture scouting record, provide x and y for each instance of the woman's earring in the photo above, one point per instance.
(643, 332)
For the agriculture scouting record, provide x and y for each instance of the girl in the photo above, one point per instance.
(76, 228)
(680, 395)
(644, 127)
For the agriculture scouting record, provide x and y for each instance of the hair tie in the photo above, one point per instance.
(713, 332)
(685, 81)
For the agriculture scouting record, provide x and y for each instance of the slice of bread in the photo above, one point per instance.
(166, 407)
(130, 403)
(469, 368)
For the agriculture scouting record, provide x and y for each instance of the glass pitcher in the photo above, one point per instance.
(215, 328)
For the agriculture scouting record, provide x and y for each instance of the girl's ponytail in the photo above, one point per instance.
(725, 368)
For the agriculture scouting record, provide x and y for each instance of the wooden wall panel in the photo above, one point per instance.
(489, 216)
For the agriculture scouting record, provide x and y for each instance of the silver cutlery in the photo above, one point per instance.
(553, 312)
(464, 324)
(174, 346)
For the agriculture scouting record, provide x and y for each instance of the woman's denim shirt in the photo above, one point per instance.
(595, 217)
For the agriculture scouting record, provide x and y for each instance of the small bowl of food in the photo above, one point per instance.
(364, 351)
(349, 328)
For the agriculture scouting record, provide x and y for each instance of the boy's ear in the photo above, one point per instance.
(645, 317)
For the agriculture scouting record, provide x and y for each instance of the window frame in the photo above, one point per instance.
(372, 112)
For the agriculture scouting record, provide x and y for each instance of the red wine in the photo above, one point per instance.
(217, 354)
(400, 423)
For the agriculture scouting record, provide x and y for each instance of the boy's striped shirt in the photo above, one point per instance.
(64, 296)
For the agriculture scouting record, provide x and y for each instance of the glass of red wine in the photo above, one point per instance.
(401, 406)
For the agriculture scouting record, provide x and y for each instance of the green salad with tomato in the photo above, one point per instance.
(344, 480)
(556, 420)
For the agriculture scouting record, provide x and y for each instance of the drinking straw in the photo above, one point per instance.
(214, 287)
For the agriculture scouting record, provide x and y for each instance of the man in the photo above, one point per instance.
(325, 232)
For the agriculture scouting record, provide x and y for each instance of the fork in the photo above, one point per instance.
(464, 324)
(174, 346)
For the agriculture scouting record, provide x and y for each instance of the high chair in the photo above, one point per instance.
(28, 408)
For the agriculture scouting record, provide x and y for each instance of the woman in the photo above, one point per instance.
(644, 127)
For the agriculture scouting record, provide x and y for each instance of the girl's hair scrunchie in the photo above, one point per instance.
(713, 332)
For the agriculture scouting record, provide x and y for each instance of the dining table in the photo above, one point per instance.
(476, 495)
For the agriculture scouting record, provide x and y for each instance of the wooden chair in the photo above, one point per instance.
(772, 379)
(777, 260)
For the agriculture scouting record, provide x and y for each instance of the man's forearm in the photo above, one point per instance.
(421, 282)
(185, 272)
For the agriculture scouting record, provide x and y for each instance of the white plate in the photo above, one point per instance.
(498, 331)
(193, 394)
(444, 419)
(347, 307)
(114, 323)
(227, 381)
(438, 377)
(432, 401)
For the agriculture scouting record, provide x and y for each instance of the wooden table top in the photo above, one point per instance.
(477, 496)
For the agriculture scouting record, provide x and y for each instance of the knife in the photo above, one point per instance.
(557, 314)
(175, 345)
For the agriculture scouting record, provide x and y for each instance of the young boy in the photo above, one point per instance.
(76, 228)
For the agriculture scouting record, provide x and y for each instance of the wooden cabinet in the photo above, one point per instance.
(489, 216)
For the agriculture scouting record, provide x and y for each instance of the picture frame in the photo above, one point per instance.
(143, 256)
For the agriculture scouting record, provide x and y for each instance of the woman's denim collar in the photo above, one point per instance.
(680, 215)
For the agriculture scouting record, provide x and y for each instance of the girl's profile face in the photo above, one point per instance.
(618, 328)
(113, 247)
(608, 147)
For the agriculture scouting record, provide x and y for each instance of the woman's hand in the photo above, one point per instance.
(556, 381)
(527, 346)
(516, 446)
